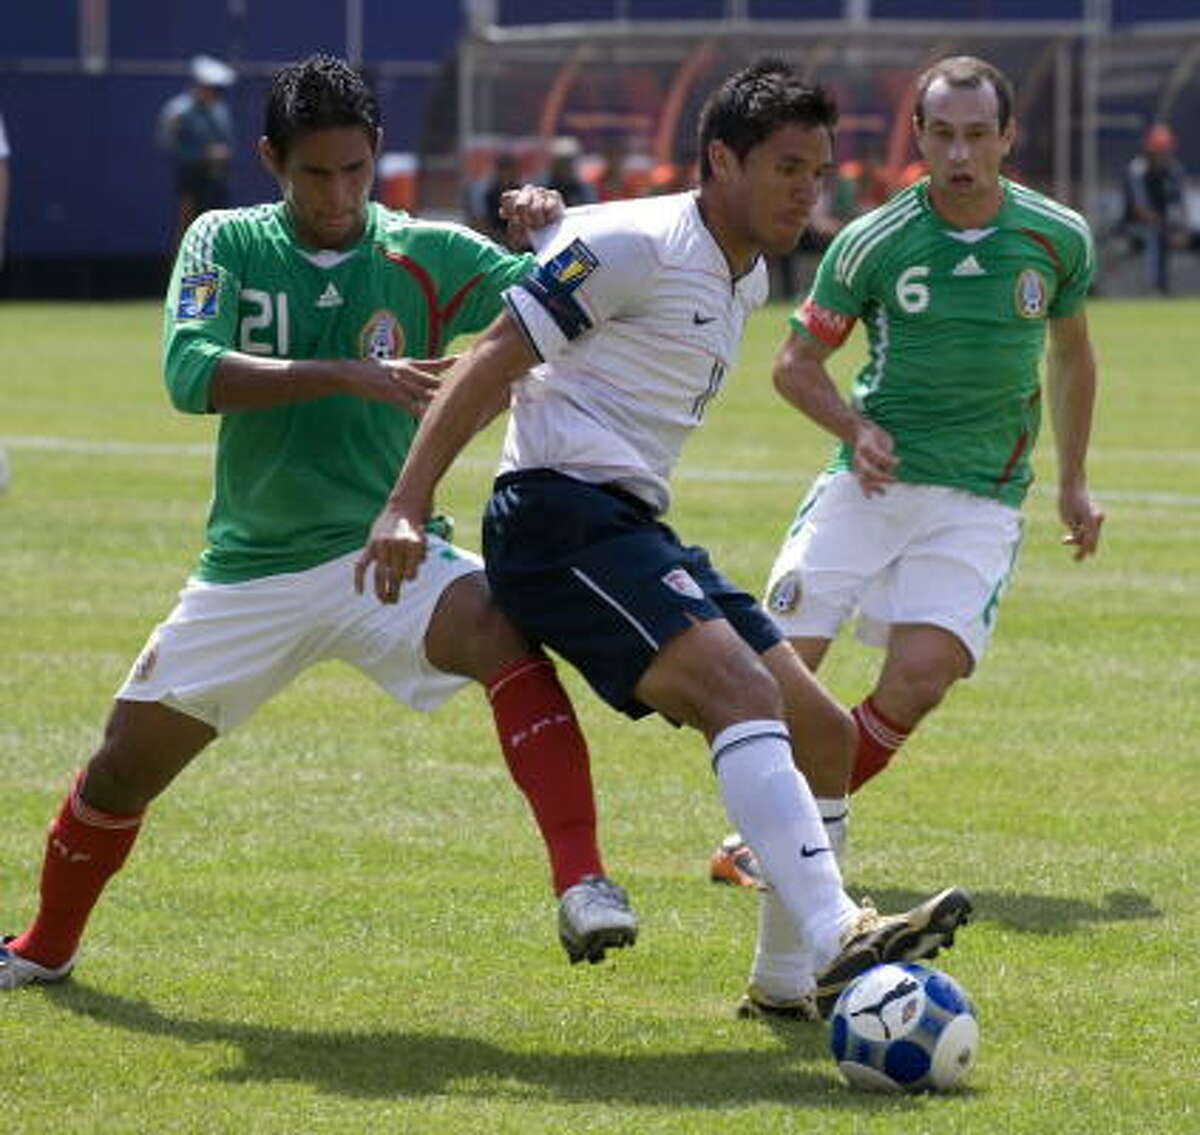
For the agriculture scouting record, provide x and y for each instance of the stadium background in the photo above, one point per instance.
(82, 81)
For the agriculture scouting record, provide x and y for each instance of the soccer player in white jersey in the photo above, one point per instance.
(294, 321)
(611, 354)
(915, 524)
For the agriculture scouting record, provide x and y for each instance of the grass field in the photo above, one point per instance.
(339, 919)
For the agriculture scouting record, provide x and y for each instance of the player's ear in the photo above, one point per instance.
(721, 160)
(1009, 135)
(270, 159)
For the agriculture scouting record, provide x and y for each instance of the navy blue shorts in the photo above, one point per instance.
(588, 571)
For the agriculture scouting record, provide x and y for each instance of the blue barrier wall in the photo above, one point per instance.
(88, 181)
(86, 176)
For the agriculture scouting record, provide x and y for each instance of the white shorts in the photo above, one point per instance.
(922, 554)
(228, 647)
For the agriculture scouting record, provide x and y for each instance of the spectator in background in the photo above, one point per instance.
(1154, 217)
(564, 177)
(195, 130)
(506, 175)
(3, 187)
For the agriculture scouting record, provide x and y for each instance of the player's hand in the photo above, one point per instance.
(874, 458)
(528, 208)
(407, 383)
(1083, 518)
(396, 546)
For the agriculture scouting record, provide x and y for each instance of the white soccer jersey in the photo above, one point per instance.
(637, 319)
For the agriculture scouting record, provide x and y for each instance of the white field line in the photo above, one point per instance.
(710, 475)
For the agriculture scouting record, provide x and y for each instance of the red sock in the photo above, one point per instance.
(878, 739)
(548, 758)
(84, 849)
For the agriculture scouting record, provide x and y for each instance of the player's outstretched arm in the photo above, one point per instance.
(254, 382)
(473, 393)
(802, 379)
(1071, 386)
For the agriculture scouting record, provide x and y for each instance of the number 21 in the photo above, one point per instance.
(270, 310)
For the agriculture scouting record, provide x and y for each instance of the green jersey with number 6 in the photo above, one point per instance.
(956, 327)
(299, 484)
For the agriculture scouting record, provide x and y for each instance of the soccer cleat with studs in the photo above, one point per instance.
(874, 938)
(755, 1005)
(734, 863)
(16, 971)
(594, 916)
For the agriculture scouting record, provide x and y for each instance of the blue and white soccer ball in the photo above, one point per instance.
(903, 1027)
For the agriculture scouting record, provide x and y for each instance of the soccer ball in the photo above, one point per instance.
(904, 1027)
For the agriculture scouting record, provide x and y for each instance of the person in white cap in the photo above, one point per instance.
(195, 130)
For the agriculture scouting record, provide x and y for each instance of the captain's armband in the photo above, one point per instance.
(823, 323)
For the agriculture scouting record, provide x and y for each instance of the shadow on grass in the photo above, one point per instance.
(398, 1064)
(1029, 913)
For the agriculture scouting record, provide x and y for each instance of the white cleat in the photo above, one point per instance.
(593, 916)
(16, 971)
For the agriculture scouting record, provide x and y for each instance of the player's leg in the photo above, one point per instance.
(446, 630)
(539, 733)
(934, 612)
(921, 664)
(838, 546)
(223, 651)
(145, 746)
(708, 677)
(782, 976)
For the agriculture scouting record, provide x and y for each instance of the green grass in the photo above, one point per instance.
(339, 919)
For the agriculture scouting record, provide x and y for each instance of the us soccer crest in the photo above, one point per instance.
(382, 337)
(1030, 294)
(681, 582)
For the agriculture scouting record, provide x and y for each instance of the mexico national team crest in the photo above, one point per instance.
(785, 595)
(1030, 294)
(147, 660)
(382, 337)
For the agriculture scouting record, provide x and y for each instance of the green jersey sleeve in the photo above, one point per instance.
(487, 270)
(828, 312)
(201, 314)
(1079, 269)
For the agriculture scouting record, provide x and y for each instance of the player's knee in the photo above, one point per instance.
(145, 746)
(710, 684)
(469, 634)
(917, 688)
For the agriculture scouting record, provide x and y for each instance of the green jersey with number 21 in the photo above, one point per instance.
(956, 329)
(298, 484)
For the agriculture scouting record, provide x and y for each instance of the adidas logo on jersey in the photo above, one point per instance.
(969, 266)
(330, 297)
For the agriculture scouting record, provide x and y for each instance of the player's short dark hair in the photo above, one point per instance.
(317, 93)
(753, 103)
(966, 71)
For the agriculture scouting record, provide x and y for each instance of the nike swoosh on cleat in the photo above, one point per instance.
(699, 320)
(808, 852)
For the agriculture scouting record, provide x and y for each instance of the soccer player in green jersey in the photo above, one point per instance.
(302, 323)
(960, 280)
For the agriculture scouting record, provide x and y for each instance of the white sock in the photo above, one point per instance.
(783, 962)
(835, 814)
(771, 805)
